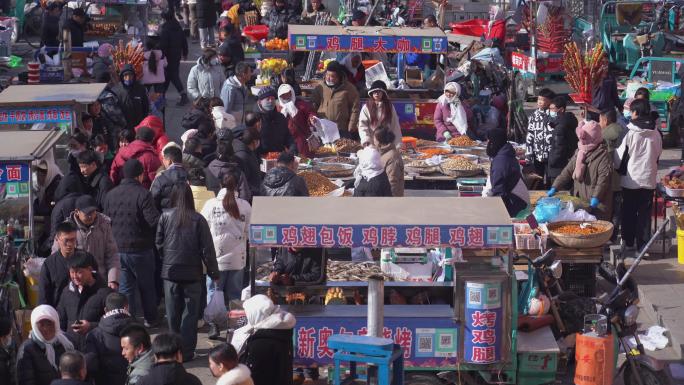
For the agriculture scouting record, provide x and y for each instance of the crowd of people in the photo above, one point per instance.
(137, 218)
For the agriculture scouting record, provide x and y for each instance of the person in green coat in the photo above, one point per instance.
(590, 170)
(613, 134)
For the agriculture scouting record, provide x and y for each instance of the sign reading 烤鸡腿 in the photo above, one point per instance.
(346, 43)
(32, 115)
(381, 236)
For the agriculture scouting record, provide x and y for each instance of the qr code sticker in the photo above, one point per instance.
(493, 294)
(425, 344)
(446, 341)
(475, 297)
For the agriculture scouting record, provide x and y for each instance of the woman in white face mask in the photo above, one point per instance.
(298, 113)
(38, 357)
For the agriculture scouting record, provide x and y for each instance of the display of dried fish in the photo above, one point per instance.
(337, 271)
(352, 271)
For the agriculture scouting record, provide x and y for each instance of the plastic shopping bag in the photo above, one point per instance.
(216, 311)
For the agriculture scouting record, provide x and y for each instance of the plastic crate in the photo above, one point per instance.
(580, 278)
(529, 241)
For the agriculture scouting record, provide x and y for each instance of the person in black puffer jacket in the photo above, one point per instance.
(34, 365)
(167, 369)
(505, 175)
(132, 97)
(275, 134)
(174, 46)
(225, 162)
(82, 302)
(372, 180)
(8, 351)
(282, 181)
(563, 137)
(106, 365)
(185, 244)
(175, 173)
(298, 266)
(245, 145)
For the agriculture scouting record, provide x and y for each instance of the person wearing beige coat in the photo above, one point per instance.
(391, 160)
(337, 100)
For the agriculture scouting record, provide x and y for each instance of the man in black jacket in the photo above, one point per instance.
(173, 174)
(90, 179)
(282, 180)
(106, 365)
(298, 266)
(134, 220)
(168, 368)
(72, 368)
(54, 274)
(563, 137)
(132, 97)
(77, 25)
(82, 302)
(174, 46)
(63, 208)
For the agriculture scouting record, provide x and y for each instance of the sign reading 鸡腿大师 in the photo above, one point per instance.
(32, 115)
(381, 236)
(365, 43)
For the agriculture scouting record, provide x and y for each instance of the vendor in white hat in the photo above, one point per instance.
(378, 112)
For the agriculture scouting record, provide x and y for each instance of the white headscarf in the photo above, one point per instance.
(48, 160)
(287, 108)
(261, 313)
(43, 312)
(458, 114)
(347, 62)
(370, 162)
(188, 134)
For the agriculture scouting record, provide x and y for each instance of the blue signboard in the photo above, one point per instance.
(427, 342)
(32, 115)
(483, 335)
(381, 236)
(365, 43)
(14, 172)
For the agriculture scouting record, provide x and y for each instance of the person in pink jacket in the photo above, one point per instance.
(451, 117)
(153, 68)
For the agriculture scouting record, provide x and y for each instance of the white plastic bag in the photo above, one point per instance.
(32, 267)
(569, 214)
(654, 339)
(216, 311)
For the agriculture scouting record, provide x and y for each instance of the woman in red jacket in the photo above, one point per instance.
(298, 113)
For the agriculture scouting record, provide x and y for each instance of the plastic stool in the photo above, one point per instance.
(381, 352)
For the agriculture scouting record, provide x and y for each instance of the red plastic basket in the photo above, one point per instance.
(474, 27)
(256, 32)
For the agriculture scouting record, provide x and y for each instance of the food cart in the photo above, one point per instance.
(17, 150)
(465, 322)
(415, 106)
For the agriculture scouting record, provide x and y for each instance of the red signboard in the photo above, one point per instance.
(522, 62)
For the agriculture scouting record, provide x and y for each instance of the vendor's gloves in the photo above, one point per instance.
(447, 136)
(594, 202)
(551, 192)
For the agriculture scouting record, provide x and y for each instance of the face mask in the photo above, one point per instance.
(627, 114)
(267, 105)
(215, 61)
(128, 83)
(34, 179)
(553, 114)
(330, 84)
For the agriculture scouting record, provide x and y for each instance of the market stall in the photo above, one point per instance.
(454, 314)
(17, 150)
(414, 104)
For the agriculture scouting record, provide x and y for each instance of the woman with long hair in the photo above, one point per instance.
(153, 67)
(378, 112)
(186, 247)
(228, 217)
